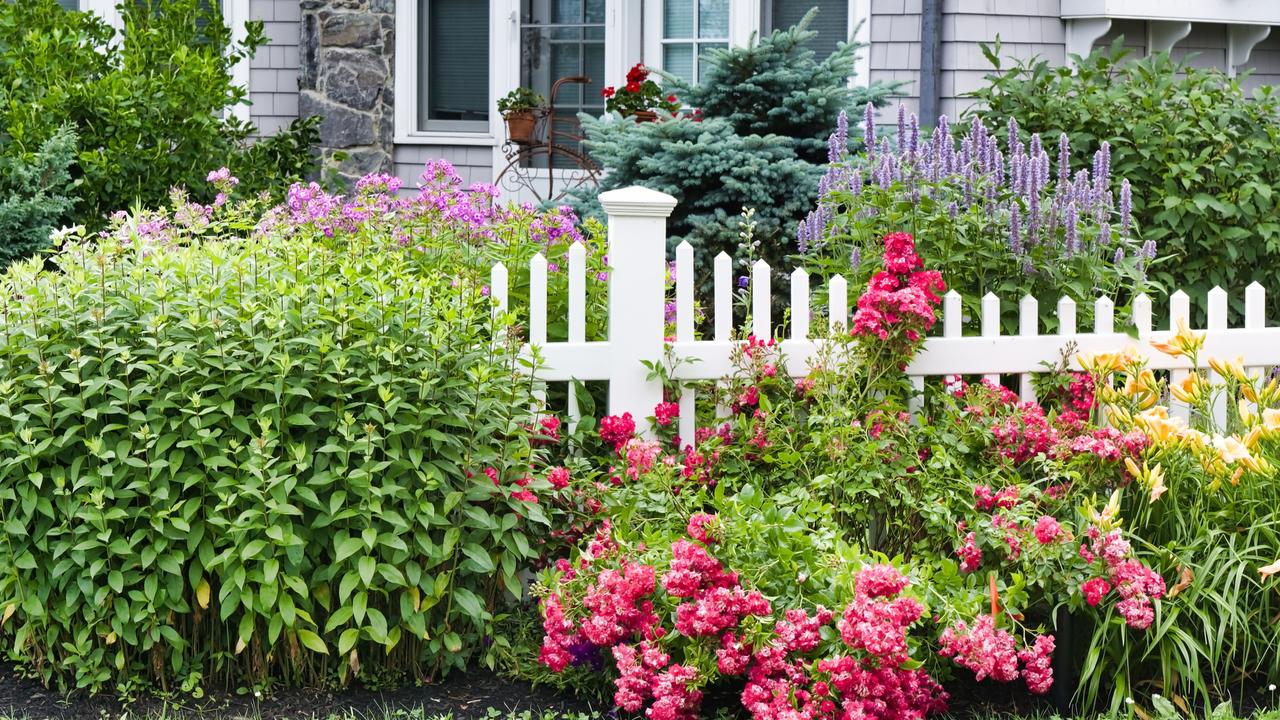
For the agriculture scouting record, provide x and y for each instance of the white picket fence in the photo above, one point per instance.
(638, 257)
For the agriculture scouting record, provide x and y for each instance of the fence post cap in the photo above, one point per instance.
(636, 201)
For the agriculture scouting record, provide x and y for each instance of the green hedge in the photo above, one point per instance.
(255, 459)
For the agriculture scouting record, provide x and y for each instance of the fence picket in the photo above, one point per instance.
(1179, 309)
(1028, 326)
(838, 301)
(577, 320)
(1066, 316)
(1142, 315)
(538, 300)
(1217, 306)
(952, 315)
(799, 304)
(498, 289)
(684, 333)
(991, 324)
(538, 319)
(761, 301)
(724, 297)
(1255, 318)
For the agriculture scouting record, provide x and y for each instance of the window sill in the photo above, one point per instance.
(445, 138)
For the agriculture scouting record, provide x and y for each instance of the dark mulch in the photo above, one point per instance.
(465, 696)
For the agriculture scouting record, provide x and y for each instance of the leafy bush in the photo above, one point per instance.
(992, 216)
(755, 141)
(1195, 143)
(280, 458)
(34, 195)
(148, 107)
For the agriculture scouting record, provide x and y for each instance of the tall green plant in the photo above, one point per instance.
(149, 106)
(277, 459)
(1198, 147)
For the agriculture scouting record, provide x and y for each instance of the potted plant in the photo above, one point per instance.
(639, 98)
(520, 109)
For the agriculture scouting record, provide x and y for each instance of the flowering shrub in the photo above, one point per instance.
(998, 216)
(752, 556)
(640, 94)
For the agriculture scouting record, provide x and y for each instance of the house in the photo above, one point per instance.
(402, 81)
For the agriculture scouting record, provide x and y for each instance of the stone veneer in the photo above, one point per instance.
(346, 55)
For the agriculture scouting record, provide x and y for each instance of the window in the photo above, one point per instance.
(690, 27)
(564, 38)
(453, 77)
(832, 22)
(70, 4)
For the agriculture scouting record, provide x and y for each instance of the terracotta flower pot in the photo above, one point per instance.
(520, 126)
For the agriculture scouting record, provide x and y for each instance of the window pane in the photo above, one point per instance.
(832, 22)
(70, 4)
(566, 11)
(677, 18)
(677, 59)
(713, 18)
(595, 11)
(455, 38)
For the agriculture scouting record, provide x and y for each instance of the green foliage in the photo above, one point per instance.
(34, 195)
(764, 114)
(148, 107)
(520, 99)
(251, 461)
(1198, 149)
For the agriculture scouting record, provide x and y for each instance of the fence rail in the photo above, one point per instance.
(637, 296)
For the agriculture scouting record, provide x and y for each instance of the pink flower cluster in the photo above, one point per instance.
(993, 653)
(643, 675)
(900, 300)
(665, 413)
(715, 601)
(1003, 499)
(868, 682)
(616, 430)
(619, 604)
(1136, 583)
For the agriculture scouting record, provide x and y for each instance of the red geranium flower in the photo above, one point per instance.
(607, 92)
(633, 87)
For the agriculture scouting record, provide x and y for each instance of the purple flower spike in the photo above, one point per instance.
(869, 130)
(1064, 158)
(1015, 230)
(902, 127)
(1126, 208)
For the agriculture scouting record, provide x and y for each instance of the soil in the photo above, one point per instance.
(464, 696)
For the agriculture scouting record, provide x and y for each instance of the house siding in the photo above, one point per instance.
(273, 72)
(474, 163)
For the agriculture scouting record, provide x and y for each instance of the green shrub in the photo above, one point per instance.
(34, 195)
(149, 107)
(257, 461)
(1198, 150)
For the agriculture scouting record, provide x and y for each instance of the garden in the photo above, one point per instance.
(274, 447)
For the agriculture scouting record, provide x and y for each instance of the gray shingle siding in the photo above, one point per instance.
(473, 162)
(273, 73)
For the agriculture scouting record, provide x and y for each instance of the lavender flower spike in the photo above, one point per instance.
(869, 130)
(1064, 158)
(1126, 208)
(1015, 230)
(902, 127)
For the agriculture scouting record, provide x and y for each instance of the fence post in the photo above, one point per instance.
(637, 271)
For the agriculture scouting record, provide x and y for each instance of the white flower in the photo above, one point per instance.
(1128, 701)
(1272, 687)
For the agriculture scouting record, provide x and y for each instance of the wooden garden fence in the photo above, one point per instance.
(637, 299)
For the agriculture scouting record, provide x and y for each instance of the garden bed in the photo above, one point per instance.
(462, 696)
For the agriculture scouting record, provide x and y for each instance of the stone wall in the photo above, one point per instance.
(346, 54)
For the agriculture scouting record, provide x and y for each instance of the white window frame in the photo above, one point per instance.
(504, 44)
(744, 18)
